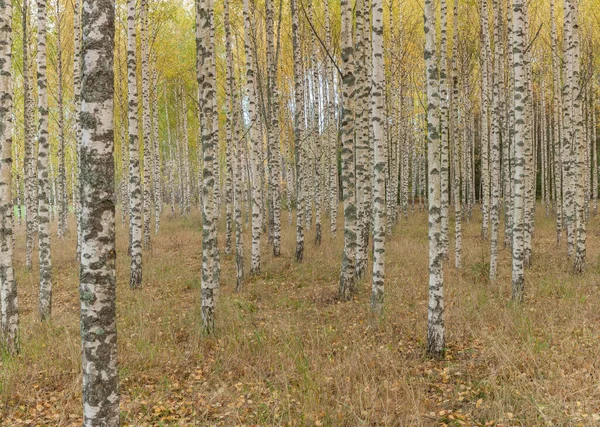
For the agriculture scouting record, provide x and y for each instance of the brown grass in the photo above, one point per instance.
(288, 353)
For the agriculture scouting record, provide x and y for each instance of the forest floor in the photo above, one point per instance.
(287, 352)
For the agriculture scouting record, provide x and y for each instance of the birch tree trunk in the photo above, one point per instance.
(146, 129)
(9, 306)
(332, 129)
(457, 147)
(520, 100)
(98, 256)
(229, 130)
(45, 301)
(495, 146)
(317, 143)
(210, 263)
(557, 138)
(298, 131)
(594, 157)
(435, 316)
(255, 142)
(444, 148)
(485, 116)
(62, 178)
(156, 164)
(234, 143)
(135, 190)
(77, 100)
(362, 124)
(185, 155)
(567, 134)
(579, 141)
(274, 131)
(348, 274)
(29, 161)
(379, 208)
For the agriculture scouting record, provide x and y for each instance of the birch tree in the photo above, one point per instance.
(207, 82)
(45, 301)
(518, 177)
(348, 274)
(578, 139)
(379, 208)
(9, 315)
(97, 272)
(273, 130)
(146, 128)
(62, 178)
(435, 316)
(494, 149)
(299, 142)
(458, 147)
(255, 143)
(28, 112)
(135, 190)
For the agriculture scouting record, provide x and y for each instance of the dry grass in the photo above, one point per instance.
(287, 352)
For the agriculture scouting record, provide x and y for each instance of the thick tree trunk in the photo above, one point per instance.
(207, 102)
(9, 316)
(98, 256)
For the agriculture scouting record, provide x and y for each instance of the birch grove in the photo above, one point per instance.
(279, 135)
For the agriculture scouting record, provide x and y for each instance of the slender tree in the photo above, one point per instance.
(273, 130)
(379, 208)
(458, 148)
(299, 142)
(578, 139)
(45, 301)
(255, 141)
(444, 126)
(348, 274)
(28, 112)
(62, 178)
(146, 129)
(77, 40)
(435, 330)
(518, 177)
(332, 131)
(135, 190)
(494, 149)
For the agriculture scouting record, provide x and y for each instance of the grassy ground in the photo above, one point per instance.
(288, 353)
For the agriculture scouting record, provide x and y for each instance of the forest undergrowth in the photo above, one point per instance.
(287, 352)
